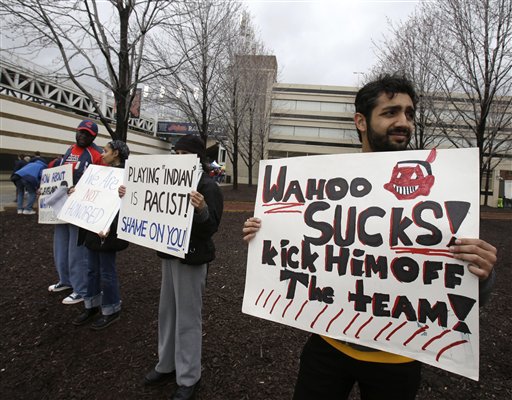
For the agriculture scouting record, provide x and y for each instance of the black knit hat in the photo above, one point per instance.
(191, 143)
(121, 147)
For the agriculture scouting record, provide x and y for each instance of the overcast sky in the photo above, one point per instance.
(323, 42)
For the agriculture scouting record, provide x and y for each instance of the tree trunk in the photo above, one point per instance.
(235, 158)
(251, 134)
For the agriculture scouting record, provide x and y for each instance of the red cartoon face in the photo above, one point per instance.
(408, 181)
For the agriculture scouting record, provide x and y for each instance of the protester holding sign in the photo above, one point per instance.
(71, 259)
(18, 163)
(102, 283)
(28, 178)
(385, 112)
(183, 282)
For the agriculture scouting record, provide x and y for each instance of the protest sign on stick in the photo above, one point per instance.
(95, 200)
(356, 247)
(156, 210)
(51, 180)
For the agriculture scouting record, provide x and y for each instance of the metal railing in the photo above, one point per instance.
(33, 83)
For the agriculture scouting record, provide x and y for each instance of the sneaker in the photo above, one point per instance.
(20, 211)
(73, 298)
(86, 316)
(58, 287)
(105, 321)
(29, 212)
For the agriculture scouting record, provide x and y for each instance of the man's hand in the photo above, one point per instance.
(121, 191)
(480, 254)
(197, 200)
(102, 234)
(251, 227)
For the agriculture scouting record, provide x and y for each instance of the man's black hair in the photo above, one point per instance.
(366, 98)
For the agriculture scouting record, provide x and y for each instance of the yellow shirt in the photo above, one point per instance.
(370, 356)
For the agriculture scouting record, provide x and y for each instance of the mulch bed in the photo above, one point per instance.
(43, 356)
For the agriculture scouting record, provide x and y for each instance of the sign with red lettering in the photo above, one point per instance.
(95, 202)
(356, 247)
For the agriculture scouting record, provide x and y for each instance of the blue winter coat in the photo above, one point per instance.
(32, 172)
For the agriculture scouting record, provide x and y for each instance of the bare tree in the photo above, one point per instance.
(466, 46)
(476, 60)
(102, 41)
(241, 84)
(198, 44)
(410, 52)
(256, 126)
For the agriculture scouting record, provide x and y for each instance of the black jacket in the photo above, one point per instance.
(111, 243)
(201, 249)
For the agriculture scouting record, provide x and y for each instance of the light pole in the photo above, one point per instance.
(359, 75)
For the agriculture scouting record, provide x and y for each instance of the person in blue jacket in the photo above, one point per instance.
(28, 178)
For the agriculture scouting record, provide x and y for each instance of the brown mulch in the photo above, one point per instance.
(43, 356)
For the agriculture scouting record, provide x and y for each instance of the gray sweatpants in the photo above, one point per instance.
(180, 320)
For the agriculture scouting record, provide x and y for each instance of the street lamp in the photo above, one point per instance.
(359, 75)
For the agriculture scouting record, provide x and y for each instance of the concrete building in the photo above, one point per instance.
(258, 74)
(309, 119)
(40, 113)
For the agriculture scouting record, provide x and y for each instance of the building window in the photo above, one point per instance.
(331, 133)
(308, 105)
(284, 104)
(491, 183)
(282, 130)
(222, 155)
(273, 154)
(306, 131)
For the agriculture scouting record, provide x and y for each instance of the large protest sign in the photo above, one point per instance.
(356, 247)
(51, 180)
(95, 201)
(156, 210)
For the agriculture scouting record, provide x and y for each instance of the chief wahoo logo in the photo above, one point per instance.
(412, 178)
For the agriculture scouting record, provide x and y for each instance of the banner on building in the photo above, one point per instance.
(179, 128)
(356, 247)
(156, 210)
(95, 201)
(51, 180)
(136, 102)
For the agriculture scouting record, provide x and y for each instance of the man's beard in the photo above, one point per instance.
(383, 142)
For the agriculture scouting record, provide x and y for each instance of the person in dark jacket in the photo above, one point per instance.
(102, 283)
(183, 282)
(28, 178)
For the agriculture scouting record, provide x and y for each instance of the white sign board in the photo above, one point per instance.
(51, 180)
(356, 247)
(156, 210)
(95, 202)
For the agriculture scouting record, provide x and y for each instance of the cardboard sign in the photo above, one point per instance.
(51, 180)
(356, 247)
(156, 210)
(95, 202)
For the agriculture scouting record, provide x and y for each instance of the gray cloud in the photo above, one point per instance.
(325, 42)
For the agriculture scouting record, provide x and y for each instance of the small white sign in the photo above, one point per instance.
(95, 202)
(156, 211)
(51, 180)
